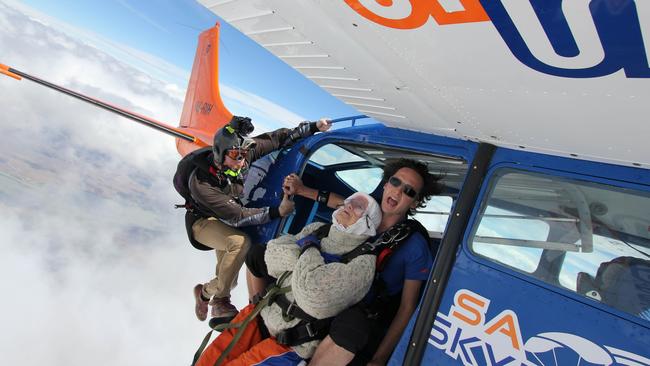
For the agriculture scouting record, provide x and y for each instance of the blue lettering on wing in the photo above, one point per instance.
(616, 22)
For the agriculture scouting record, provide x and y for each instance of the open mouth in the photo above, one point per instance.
(391, 201)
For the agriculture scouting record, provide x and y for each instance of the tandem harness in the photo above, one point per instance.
(384, 247)
(310, 328)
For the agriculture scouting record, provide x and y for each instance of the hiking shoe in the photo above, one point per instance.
(217, 323)
(222, 310)
(200, 306)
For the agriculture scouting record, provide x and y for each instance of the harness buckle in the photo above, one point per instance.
(395, 234)
(288, 312)
(259, 296)
(282, 338)
(309, 329)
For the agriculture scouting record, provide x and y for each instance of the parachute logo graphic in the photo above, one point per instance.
(563, 348)
(546, 347)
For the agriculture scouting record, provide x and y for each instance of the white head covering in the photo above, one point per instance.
(367, 224)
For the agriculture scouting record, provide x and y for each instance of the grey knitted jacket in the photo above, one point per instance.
(321, 290)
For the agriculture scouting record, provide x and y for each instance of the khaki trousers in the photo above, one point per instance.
(230, 246)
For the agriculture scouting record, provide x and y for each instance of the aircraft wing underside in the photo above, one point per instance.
(568, 79)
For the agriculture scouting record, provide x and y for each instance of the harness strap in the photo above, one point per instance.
(291, 310)
(267, 300)
(388, 240)
(210, 174)
(384, 247)
(304, 332)
(204, 343)
(241, 326)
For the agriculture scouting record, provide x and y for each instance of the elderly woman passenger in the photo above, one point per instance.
(321, 286)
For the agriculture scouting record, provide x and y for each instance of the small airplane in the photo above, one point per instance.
(534, 113)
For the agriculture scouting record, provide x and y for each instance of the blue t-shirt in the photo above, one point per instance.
(412, 260)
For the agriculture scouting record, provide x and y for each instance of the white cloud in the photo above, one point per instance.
(95, 266)
(145, 62)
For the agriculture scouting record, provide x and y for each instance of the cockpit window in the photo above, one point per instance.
(362, 180)
(590, 238)
(332, 154)
(435, 214)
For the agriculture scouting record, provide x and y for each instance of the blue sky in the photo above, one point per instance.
(169, 29)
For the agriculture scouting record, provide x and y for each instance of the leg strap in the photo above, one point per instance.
(304, 332)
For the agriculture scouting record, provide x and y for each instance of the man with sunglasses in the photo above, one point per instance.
(216, 186)
(367, 333)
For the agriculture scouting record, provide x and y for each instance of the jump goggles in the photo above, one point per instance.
(237, 154)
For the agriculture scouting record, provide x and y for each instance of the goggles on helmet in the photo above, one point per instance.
(237, 154)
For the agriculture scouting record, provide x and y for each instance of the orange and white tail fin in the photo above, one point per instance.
(203, 112)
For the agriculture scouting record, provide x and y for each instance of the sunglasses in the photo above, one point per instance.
(237, 154)
(407, 189)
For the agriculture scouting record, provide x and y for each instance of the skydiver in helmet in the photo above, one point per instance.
(217, 193)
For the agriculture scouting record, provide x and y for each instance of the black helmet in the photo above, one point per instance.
(232, 136)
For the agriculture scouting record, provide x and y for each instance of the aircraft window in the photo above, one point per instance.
(363, 180)
(332, 154)
(605, 250)
(503, 225)
(586, 237)
(435, 215)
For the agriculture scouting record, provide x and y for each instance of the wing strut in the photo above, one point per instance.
(16, 74)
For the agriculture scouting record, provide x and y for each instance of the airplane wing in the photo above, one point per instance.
(564, 78)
